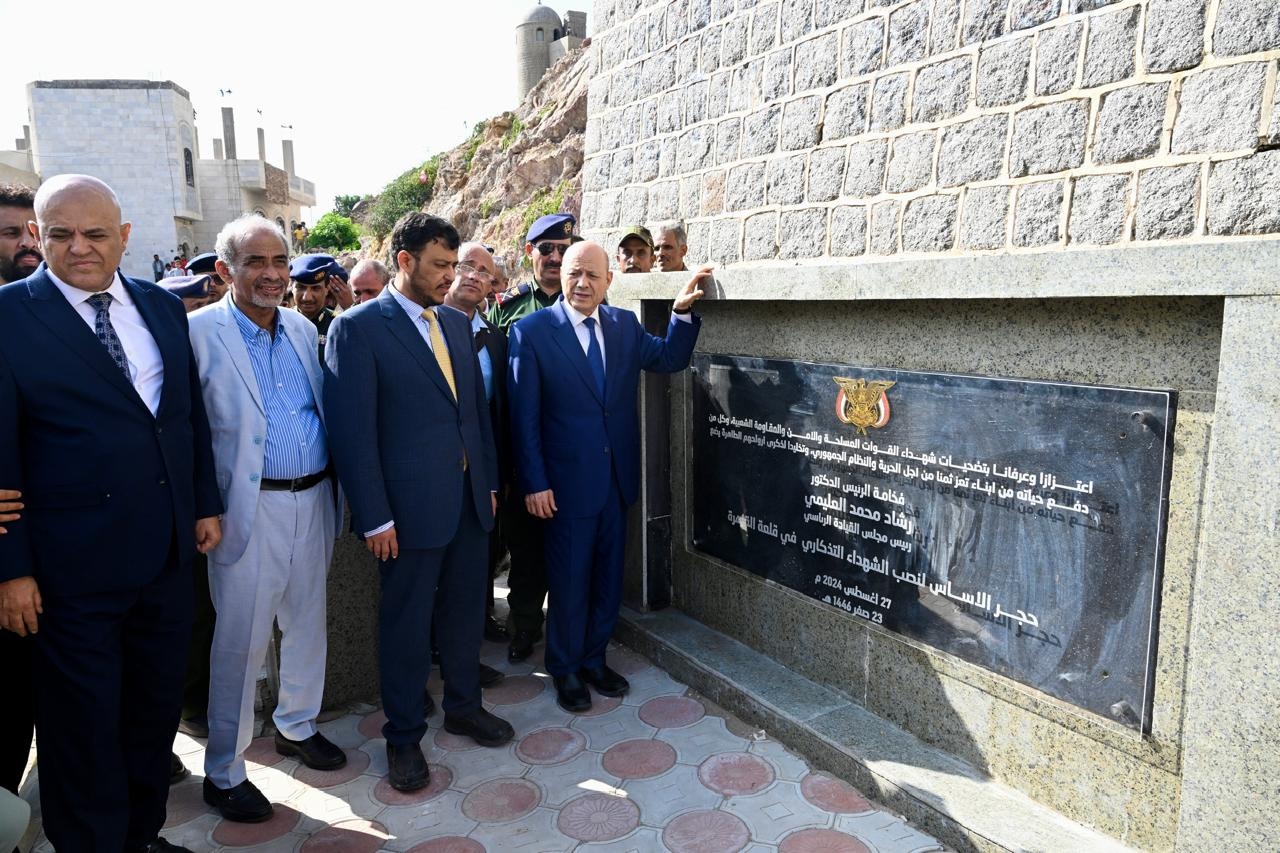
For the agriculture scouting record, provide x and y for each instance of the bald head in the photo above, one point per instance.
(83, 239)
(473, 278)
(74, 187)
(585, 276)
(368, 277)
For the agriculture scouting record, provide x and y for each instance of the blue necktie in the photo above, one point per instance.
(595, 358)
(101, 303)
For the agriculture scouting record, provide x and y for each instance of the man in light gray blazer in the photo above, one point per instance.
(261, 383)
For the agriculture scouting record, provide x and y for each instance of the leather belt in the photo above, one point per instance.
(298, 484)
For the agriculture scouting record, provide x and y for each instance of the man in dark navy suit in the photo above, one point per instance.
(573, 376)
(413, 443)
(103, 429)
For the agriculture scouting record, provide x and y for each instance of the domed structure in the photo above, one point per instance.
(535, 36)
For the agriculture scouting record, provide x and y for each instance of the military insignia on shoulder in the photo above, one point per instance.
(513, 293)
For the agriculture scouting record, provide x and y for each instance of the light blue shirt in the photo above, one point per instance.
(296, 445)
(482, 354)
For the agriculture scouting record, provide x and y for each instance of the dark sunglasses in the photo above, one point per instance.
(548, 248)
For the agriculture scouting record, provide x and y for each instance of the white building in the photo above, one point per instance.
(541, 39)
(140, 137)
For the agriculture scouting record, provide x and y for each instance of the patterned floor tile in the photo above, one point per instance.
(674, 792)
(621, 724)
(672, 712)
(500, 800)
(282, 822)
(194, 834)
(785, 763)
(821, 841)
(736, 774)
(536, 833)
(644, 840)
(562, 782)
(594, 818)
(776, 812)
(696, 743)
(472, 768)
(886, 833)
(345, 732)
(706, 832)
(410, 825)
(351, 836)
(650, 684)
(639, 759)
(550, 746)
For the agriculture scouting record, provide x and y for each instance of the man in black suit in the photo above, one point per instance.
(412, 437)
(473, 278)
(103, 430)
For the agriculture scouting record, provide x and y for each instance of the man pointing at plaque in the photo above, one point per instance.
(573, 374)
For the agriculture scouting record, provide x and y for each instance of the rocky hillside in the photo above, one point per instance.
(519, 165)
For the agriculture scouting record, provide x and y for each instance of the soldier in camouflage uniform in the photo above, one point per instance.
(545, 245)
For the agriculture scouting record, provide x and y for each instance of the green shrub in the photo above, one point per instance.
(512, 132)
(344, 204)
(473, 143)
(334, 232)
(544, 201)
(407, 192)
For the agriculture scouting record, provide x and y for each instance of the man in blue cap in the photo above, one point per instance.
(206, 265)
(545, 245)
(193, 290)
(310, 276)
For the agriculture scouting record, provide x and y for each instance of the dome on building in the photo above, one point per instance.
(544, 15)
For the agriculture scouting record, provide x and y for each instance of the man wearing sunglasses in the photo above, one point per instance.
(545, 245)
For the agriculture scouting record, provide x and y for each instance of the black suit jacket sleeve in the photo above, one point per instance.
(16, 556)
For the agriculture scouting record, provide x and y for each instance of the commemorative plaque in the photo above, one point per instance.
(1018, 525)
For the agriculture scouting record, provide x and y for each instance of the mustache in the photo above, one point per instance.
(21, 253)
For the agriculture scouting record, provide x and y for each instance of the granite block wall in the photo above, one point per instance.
(855, 128)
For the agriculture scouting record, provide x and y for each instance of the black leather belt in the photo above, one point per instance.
(298, 484)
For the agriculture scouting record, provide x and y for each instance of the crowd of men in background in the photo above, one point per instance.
(142, 436)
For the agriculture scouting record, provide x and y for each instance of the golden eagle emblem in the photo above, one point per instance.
(863, 404)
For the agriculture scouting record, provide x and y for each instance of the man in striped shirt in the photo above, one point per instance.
(261, 383)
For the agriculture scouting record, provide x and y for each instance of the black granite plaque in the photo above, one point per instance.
(1018, 525)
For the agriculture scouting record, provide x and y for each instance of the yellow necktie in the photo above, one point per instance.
(440, 349)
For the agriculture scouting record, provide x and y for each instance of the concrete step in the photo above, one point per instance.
(932, 789)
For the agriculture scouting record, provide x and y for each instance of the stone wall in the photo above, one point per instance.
(844, 128)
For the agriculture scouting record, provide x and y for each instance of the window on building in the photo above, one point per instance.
(539, 35)
(190, 166)
(555, 35)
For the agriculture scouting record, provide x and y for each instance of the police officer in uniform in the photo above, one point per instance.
(204, 265)
(545, 245)
(310, 277)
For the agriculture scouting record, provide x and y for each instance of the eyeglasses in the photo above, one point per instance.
(478, 275)
(548, 248)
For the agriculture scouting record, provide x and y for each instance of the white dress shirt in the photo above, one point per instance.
(146, 367)
(414, 310)
(577, 319)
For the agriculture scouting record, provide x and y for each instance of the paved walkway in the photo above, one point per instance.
(659, 770)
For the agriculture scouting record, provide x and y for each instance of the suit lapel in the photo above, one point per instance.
(405, 331)
(612, 347)
(169, 344)
(567, 339)
(229, 334)
(67, 327)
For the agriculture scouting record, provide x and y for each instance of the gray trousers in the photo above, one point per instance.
(280, 578)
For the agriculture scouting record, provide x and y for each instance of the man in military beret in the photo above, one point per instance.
(340, 296)
(545, 244)
(310, 277)
(635, 250)
(193, 290)
(206, 265)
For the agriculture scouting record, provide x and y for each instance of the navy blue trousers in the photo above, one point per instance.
(455, 577)
(584, 558)
(109, 691)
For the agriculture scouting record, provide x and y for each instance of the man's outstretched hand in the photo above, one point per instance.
(692, 291)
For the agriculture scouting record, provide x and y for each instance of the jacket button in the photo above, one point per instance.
(159, 430)
(253, 478)
(164, 482)
(257, 439)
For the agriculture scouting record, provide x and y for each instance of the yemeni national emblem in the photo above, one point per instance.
(863, 404)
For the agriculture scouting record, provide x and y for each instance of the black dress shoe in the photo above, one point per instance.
(177, 770)
(495, 631)
(605, 681)
(481, 726)
(162, 846)
(197, 727)
(521, 645)
(407, 767)
(572, 694)
(428, 704)
(317, 751)
(490, 676)
(243, 804)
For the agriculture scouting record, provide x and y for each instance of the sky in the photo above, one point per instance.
(371, 88)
